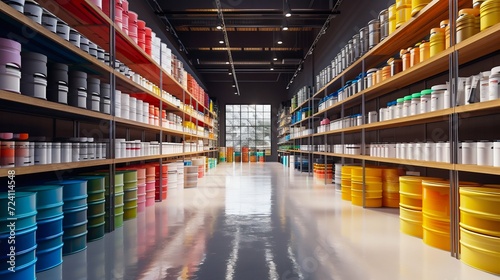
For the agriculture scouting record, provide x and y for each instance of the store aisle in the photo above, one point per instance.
(260, 221)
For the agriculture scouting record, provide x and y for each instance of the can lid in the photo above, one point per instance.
(444, 23)
(400, 100)
(416, 95)
(425, 92)
(437, 30)
(439, 87)
(473, 12)
(407, 98)
(495, 70)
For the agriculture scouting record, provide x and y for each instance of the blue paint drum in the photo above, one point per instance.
(49, 258)
(74, 244)
(49, 227)
(23, 272)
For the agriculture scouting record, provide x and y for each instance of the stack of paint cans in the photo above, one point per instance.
(34, 75)
(49, 235)
(22, 259)
(10, 65)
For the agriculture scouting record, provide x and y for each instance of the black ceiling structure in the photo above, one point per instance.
(253, 30)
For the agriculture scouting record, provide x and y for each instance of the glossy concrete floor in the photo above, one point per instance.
(260, 221)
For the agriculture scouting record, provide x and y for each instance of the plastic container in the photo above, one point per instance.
(10, 77)
(33, 11)
(75, 243)
(405, 58)
(25, 211)
(77, 95)
(485, 153)
(478, 211)
(439, 98)
(403, 14)
(406, 106)
(437, 41)
(494, 84)
(63, 30)
(466, 24)
(484, 86)
(57, 83)
(49, 21)
(132, 26)
(415, 104)
(415, 55)
(424, 51)
(425, 101)
(74, 37)
(383, 18)
(436, 232)
(490, 13)
(417, 5)
(373, 33)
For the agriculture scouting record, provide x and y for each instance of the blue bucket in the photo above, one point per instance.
(21, 258)
(50, 242)
(71, 188)
(24, 240)
(49, 258)
(50, 227)
(23, 272)
(75, 244)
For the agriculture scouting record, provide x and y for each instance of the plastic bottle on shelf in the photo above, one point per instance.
(485, 153)
(438, 97)
(494, 84)
(406, 106)
(415, 104)
(484, 86)
(425, 101)
(437, 41)
(424, 51)
(466, 24)
(469, 152)
(399, 108)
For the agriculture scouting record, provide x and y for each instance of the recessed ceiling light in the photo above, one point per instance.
(275, 58)
(288, 14)
(285, 28)
(230, 73)
(280, 42)
(227, 62)
(235, 93)
(272, 69)
(234, 85)
(219, 27)
(221, 42)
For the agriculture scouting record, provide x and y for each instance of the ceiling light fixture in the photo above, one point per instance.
(232, 71)
(284, 28)
(286, 9)
(221, 42)
(275, 58)
(234, 85)
(280, 42)
(322, 31)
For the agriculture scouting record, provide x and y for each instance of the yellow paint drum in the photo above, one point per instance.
(371, 184)
(480, 251)
(479, 209)
(410, 189)
(436, 198)
(410, 222)
(373, 198)
(346, 193)
(436, 232)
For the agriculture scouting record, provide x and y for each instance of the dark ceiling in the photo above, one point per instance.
(253, 27)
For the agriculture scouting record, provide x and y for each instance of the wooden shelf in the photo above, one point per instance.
(338, 105)
(284, 151)
(437, 116)
(301, 137)
(54, 167)
(301, 121)
(478, 169)
(477, 109)
(23, 103)
(430, 164)
(479, 45)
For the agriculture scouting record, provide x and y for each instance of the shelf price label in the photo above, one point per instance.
(11, 226)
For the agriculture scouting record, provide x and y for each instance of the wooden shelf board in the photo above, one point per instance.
(44, 106)
(437, 116)
(485, 42)
(476, 109)
(478, 169)
(54, 167)
(430, 164)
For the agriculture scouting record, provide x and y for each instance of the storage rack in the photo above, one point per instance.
(94, 24)
(449, 62)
